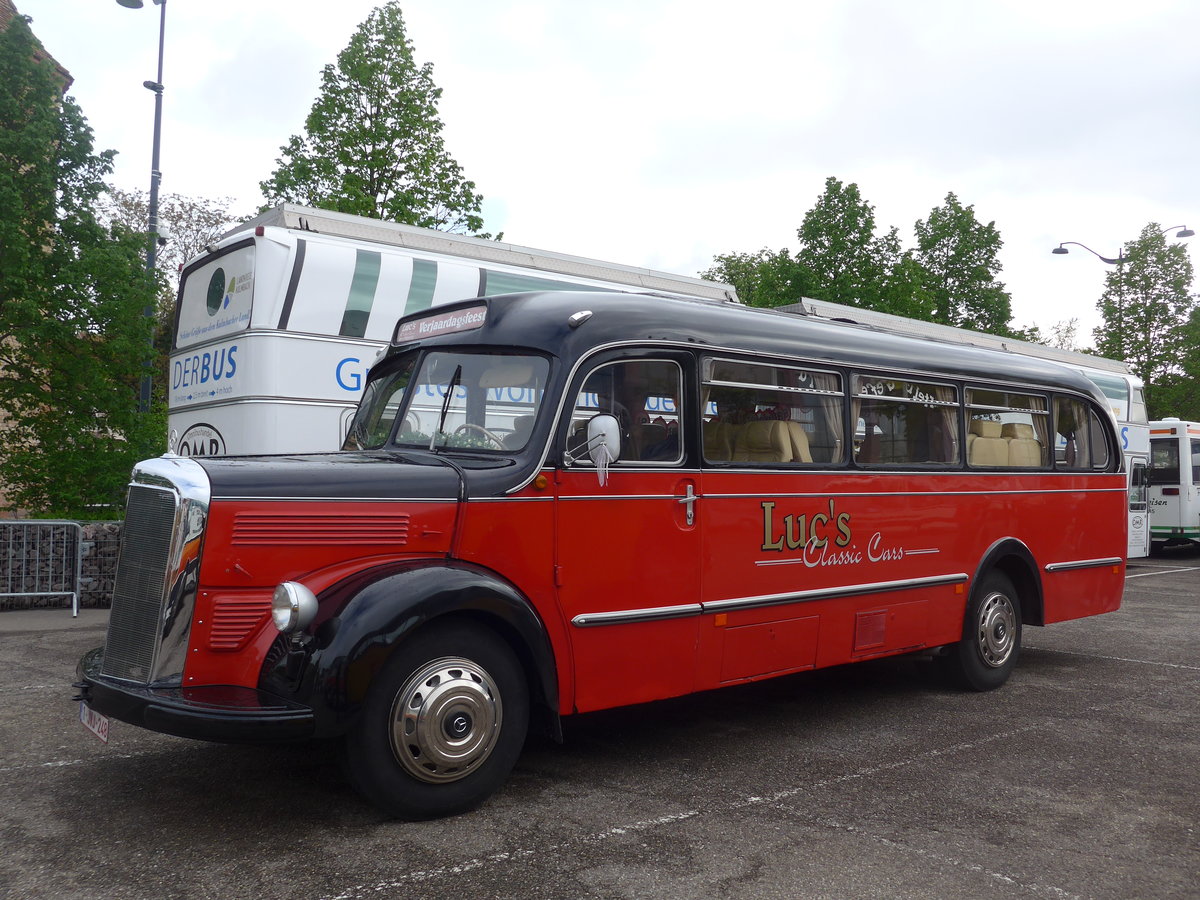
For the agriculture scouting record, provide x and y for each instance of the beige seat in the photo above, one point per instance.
(718, 441)
(799, 441)
(1024, 449)
(985, 446)
(764, 440)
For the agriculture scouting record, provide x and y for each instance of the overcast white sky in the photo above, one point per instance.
(659, 133)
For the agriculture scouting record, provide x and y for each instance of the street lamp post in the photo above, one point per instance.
(1119, 260)
(1184, 232)
(155, 177)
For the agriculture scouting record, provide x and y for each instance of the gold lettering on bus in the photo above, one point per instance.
(797, 530)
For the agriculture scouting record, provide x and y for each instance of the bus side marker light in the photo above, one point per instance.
(959, 588)
(720, 619)
(540, 482)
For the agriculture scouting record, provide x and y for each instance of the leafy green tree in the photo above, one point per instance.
(373, 141)
(1146, 309)
(959, 256)
(901, 290)
(838, 246)
(1177, 393)
(765, 278)
(72, 334)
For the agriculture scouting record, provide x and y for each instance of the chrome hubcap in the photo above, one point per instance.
(445, 720)
(997, 629)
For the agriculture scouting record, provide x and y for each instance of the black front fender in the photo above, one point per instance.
(376, 610)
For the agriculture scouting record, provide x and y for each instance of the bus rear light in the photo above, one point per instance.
(1170, 492)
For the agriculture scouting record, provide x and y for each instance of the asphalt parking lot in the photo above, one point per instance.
(1077, 779)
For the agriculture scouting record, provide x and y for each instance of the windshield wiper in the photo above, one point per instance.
(454, 382)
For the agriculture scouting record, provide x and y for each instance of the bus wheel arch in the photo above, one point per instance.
(1016, 561)
(401, 606)
(1005, 595)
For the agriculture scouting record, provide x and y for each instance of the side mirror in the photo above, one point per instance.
(603, 440)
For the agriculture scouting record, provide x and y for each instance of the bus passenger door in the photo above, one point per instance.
(1139, 510)
(627, 561)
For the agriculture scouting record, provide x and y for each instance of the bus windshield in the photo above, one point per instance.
(452, 399)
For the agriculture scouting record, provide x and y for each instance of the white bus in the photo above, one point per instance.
(1174, 482)
(1123, 389)
(278, 322)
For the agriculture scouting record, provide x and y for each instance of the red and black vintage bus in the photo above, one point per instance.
(551, 503)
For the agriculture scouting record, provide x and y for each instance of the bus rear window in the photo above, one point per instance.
(1164, 461)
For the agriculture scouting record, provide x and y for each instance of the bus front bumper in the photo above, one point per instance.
(217, 712)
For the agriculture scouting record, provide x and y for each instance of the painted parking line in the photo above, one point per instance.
(1162, 570)
(1125, 659)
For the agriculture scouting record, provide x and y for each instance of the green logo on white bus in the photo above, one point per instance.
(216, 292)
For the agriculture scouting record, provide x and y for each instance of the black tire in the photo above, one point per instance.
(991, 643)
(467, 717)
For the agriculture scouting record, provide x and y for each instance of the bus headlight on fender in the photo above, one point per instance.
(293, 606)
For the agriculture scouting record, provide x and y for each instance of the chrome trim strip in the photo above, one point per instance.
(270, 499)
(849, 590)
(822, 495)
(624, 616)
(620, 617)
(1083, 564)
(263, 398)
(621, 497)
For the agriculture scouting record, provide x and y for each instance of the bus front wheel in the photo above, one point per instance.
(443, 724)
(991, 641)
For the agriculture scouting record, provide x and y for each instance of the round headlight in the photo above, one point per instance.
(293, 606)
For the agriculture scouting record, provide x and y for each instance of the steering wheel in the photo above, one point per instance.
(470, 426)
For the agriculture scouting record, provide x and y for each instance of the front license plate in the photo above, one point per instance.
(94, 722)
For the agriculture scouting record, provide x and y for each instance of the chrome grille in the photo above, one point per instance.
(140, 584)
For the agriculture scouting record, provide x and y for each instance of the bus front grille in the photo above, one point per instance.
(134, 625)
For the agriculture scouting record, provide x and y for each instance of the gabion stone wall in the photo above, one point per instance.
(39, 559)
(101, 542)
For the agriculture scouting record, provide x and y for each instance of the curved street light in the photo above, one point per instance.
(155, 176)
(1061, 248)
(1184, 232)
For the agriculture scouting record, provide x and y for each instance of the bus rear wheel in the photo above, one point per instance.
(991, 642)
(443, 724)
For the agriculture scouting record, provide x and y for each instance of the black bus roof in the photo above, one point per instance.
(544, 321)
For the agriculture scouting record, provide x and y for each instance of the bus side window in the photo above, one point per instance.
(644, 396)
(1080, 439)
(773, 414)
(905, 422)
(1019, 422)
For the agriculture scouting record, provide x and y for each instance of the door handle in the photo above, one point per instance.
(689, 500)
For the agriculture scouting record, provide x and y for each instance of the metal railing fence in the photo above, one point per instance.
(40, 561)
